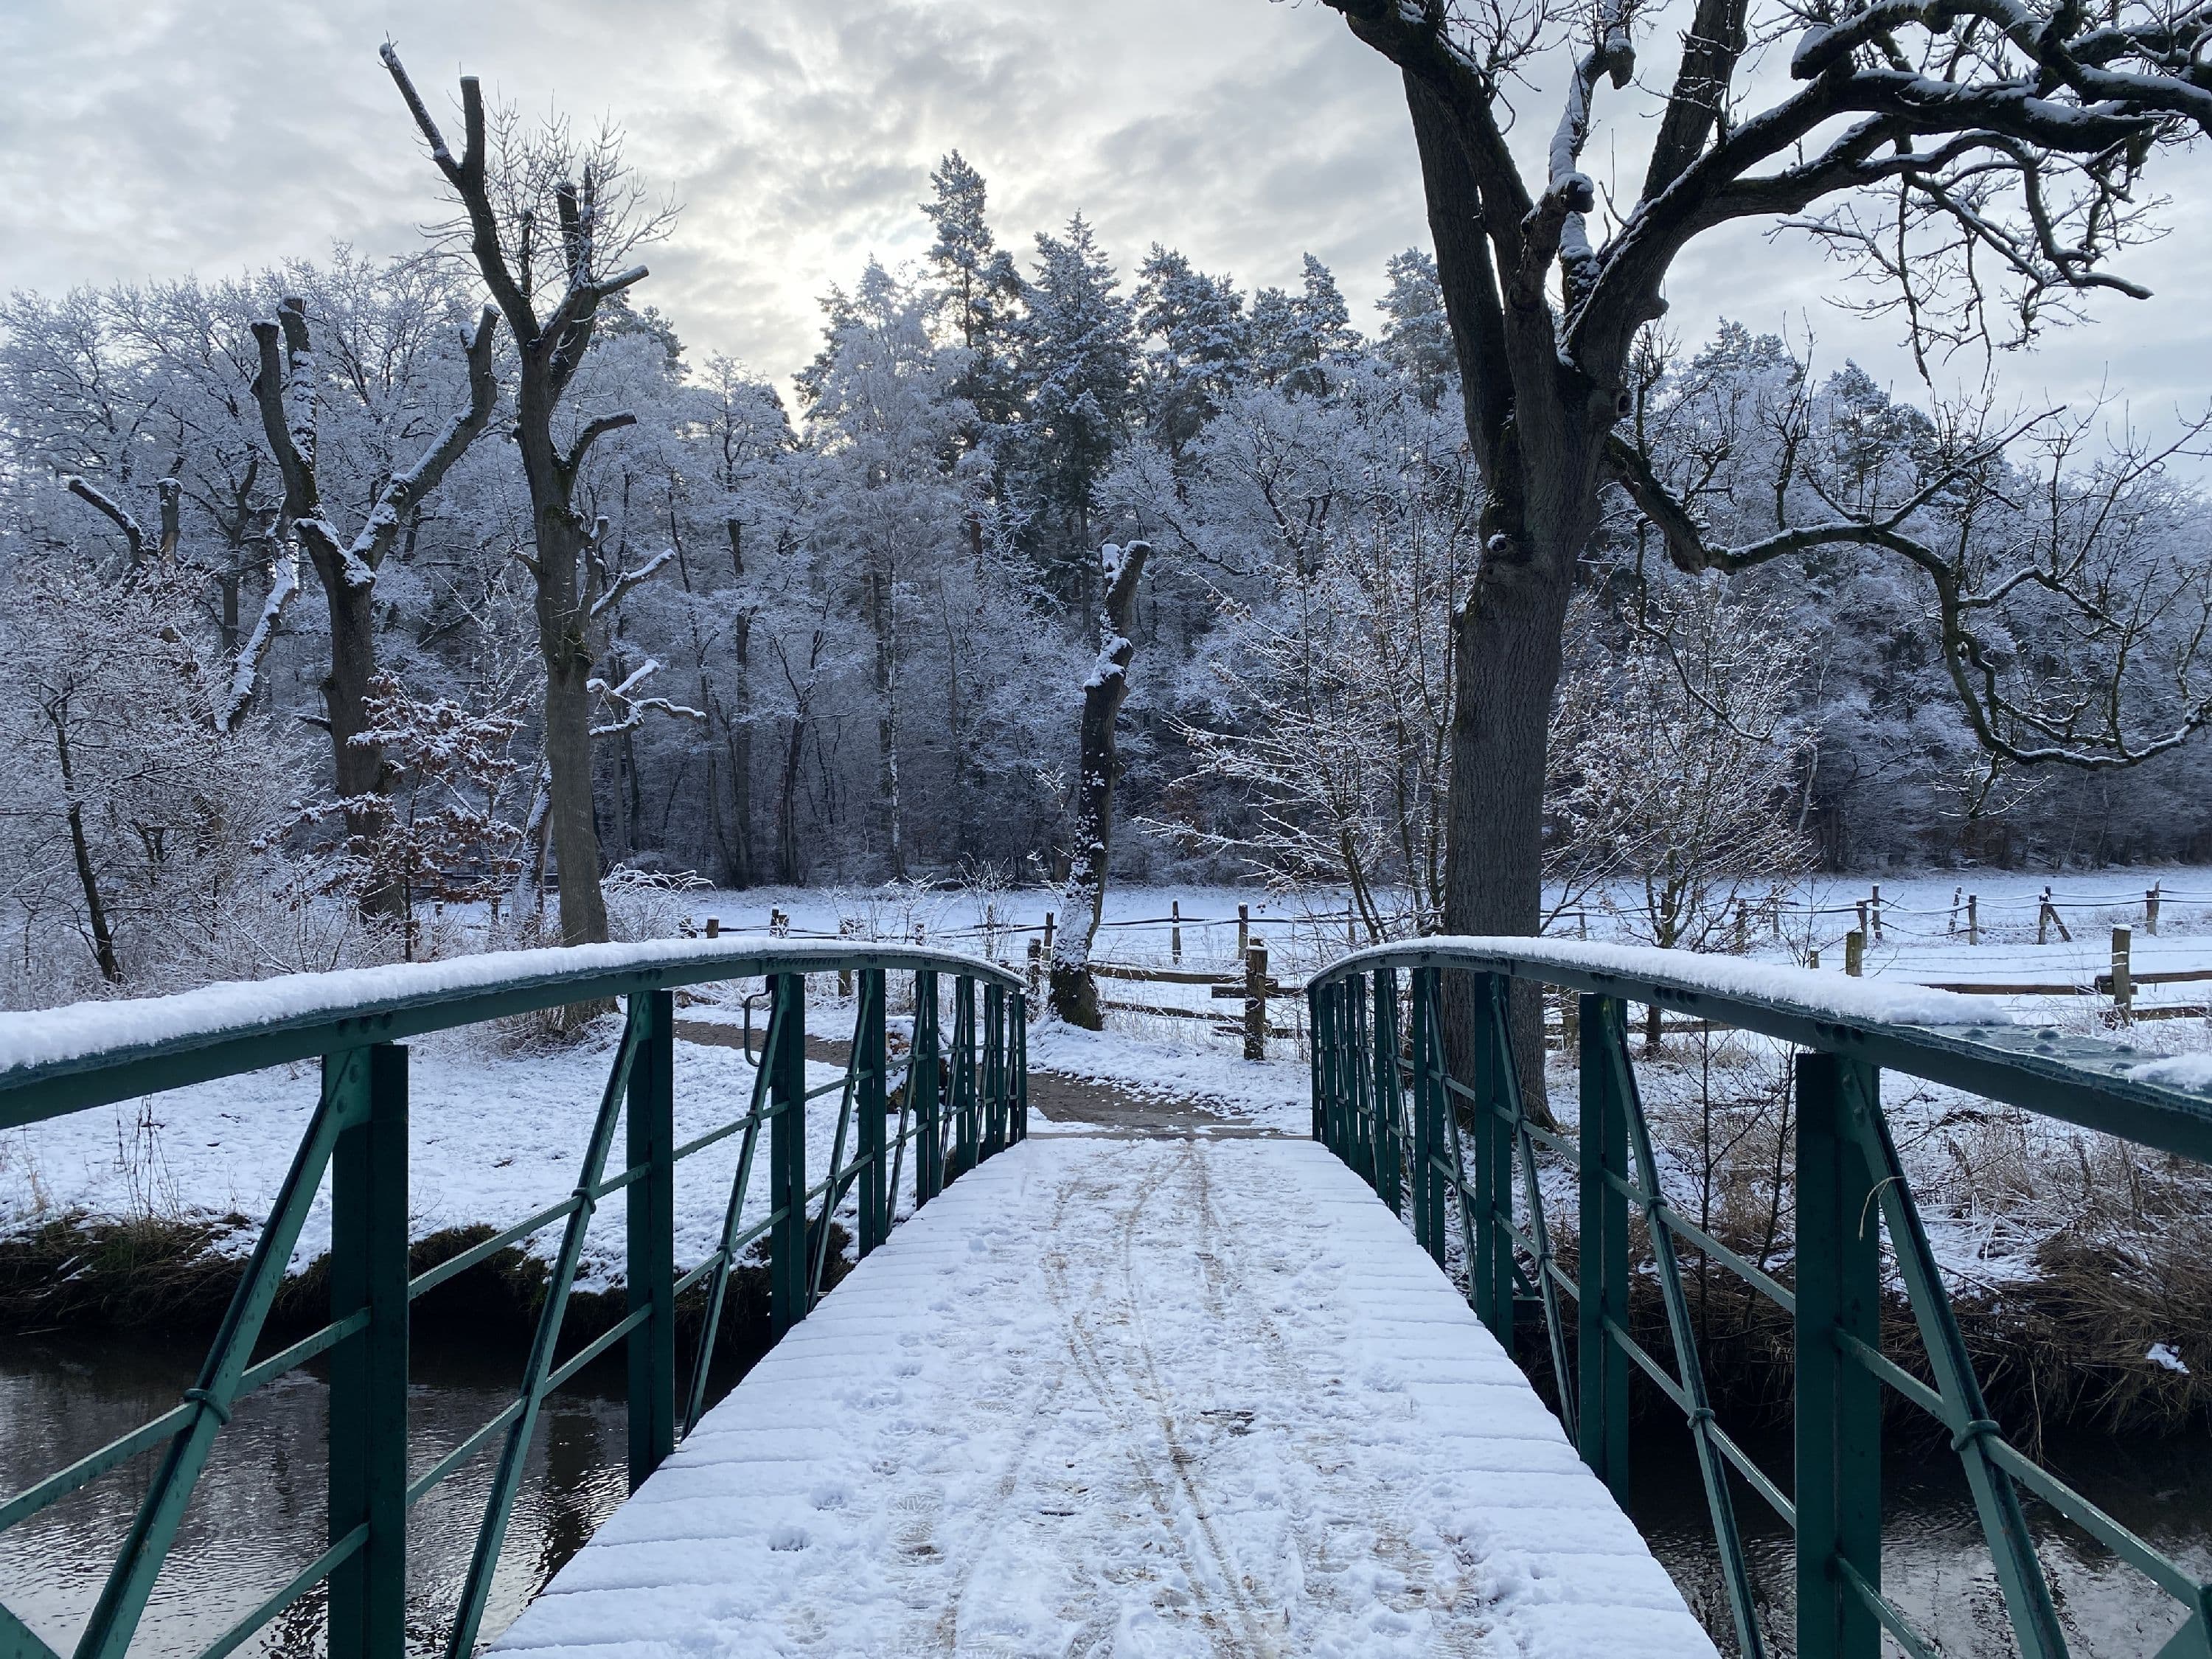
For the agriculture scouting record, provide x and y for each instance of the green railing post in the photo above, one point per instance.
(1838, 1453)
(1602, 1265)
(994, 1069)
(1389, 1150)
(649, 1232)
(963, 1077)
(922, 1075)
(1021, 1037)
(789, 1261)
(1493, 1162)
(1355, 1077)
(877, 1199)
(368, 1372)
(1431, 1102)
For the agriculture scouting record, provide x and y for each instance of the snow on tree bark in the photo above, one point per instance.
(1083, 900)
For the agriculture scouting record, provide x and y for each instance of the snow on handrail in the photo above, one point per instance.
(294, 1016)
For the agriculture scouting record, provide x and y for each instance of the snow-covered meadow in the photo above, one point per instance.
(497, 1127)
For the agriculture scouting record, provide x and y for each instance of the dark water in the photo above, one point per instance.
(1934, 1564)
(259, 1513)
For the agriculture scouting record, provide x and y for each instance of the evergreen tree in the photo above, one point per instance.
(981, 291)
(1416, 334)
(1077, 373)
(1294, 336)
(1201, 342)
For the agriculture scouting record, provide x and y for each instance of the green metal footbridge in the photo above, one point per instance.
(1415, 1089)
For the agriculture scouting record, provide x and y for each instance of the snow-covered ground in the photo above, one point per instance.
(1158, 1397)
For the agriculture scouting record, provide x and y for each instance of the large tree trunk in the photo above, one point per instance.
(567, 659)
(1083, 902)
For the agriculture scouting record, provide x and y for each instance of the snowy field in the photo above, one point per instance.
(497, 1132)
(1172, 1398)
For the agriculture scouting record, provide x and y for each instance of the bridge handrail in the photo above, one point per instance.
(1464, 1150)
(963, 1096)
(54, 1061)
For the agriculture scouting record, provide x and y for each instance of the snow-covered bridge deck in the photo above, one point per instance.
(1123, 1395)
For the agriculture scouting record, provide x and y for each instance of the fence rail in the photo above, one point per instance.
(1459, 1153)
(961, 1096)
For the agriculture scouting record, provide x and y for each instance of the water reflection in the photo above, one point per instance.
(260, 1511)
(1934, 1565)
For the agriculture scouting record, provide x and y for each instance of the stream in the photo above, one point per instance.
(259, 1512)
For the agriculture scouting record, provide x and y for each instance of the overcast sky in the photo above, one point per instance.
(149, 138)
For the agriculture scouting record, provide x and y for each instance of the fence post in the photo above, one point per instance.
(1049, 919)
(2124, 991)
(1874, 905)
(1854, 953)
(2150, 910)
(1838, 1413)
(1602, 1264)
(1812, 958)
(2043, 918)
(1864, 928)
(1742, 926)
(1973, 919)
(1244, 930)
(649, 1229)
(873, 1102)
(1431, 1102)
(788, 1261)
(368, 1372)
(713, 927)
(1036, 967)
(1951, 917)
(1175, 931)
(1255, 1000)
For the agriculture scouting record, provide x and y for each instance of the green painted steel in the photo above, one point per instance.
(368, 1377)
(1602, 1265)
(1851, 1192)
(649, 1234)
(788, 1282)
(1838, 1426)
(358, 1136)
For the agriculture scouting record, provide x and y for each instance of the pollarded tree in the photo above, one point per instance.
(549, 212)
(2001, 142)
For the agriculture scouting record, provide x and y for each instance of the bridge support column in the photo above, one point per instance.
(1431, 1101)
(1494, 1159)
(650, 1232)
(1389, 1094)
(788, 1259)
(1838, 1452)
(1601, 1267)
(926, 1098)
(368, 1372)
(870, 1058)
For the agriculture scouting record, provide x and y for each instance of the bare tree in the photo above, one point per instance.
(2003, 139)
(598, 216)
(286, 392)
(1074, 992)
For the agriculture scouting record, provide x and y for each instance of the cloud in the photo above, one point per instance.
(149, 139)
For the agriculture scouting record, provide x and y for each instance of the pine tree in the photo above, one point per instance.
(1202, 341)
(1417, 335)
(982, 295)
(1294, 336)
(1077, 372)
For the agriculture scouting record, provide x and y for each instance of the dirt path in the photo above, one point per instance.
(1056, 1096)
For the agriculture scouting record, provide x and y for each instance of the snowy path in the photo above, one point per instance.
(1131, 1396)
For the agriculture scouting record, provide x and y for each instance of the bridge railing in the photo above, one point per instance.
(962, 1097)
(1458, 1153)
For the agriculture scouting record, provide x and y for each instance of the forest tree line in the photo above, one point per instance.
(285, 629)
